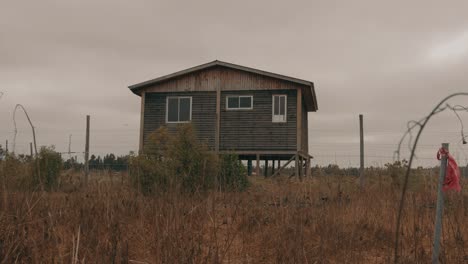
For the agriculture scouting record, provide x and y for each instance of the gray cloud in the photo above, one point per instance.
(390, 61)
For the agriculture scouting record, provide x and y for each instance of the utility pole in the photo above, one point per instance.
(6, 146)
(361, 169)
(31, 149)
(439, 206)
(87, 152)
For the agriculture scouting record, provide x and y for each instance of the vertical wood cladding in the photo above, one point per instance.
(251, 130)
(241, 130)
(305, 131)
(225, 78)
(203, 114)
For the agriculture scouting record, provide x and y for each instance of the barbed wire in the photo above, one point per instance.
(421, 124)
(412, 124)
(454, 109)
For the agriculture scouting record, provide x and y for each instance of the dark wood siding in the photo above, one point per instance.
(206, 80)
(241, 130)
(203, 114)
(305, 136)
(251, 130)
(223, 78)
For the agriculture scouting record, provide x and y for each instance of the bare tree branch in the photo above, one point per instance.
(19, 106)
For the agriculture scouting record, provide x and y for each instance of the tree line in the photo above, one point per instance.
(107, 162)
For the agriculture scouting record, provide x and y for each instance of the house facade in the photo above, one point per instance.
(256, 114)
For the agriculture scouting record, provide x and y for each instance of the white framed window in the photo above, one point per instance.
(239, 102)
(178, 109)
(279, 108)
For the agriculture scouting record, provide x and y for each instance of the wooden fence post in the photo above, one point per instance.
(87, 152)
(361, 137)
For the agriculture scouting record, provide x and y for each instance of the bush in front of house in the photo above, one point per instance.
(190, 162)
(148, 174)
(232, 175)
(180, 161)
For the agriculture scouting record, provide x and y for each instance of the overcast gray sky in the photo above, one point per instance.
(389, 60)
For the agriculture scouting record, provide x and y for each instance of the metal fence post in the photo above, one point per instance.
(440, 206)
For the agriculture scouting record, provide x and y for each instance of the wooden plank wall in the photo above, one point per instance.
(203, 114)
(242, 130)
(254, 129)
(206, 80)
(305, 130)
(224, 78)
(142, 122)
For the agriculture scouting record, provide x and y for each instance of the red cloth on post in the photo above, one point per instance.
(452, 175)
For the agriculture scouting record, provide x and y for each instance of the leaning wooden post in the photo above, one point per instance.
(31, 149)
(361, 136)
(440, 206)
(87, 152)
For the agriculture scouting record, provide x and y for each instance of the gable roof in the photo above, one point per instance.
(136, 87)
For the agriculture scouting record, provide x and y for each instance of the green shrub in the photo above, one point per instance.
(232, 174)
(190, 162)
(176, 161)
(148, 174)
(50, 164)
(179, 161)
(158, 143)
(20, 172)
(16, 172)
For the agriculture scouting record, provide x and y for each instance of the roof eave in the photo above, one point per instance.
(135, 90)
(314, 97)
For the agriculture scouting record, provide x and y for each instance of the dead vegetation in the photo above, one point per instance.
(325, 219)
(196, 212)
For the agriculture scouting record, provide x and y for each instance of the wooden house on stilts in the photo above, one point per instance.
(256, 114)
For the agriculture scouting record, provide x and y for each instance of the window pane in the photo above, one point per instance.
(184, 105)
(245, 102)
(233, 102)
(276, 105)
(282, 105)
(172, 110)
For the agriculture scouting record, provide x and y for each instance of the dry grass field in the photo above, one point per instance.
(324, 219)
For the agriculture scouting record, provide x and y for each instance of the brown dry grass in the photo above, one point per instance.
(320, 220)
